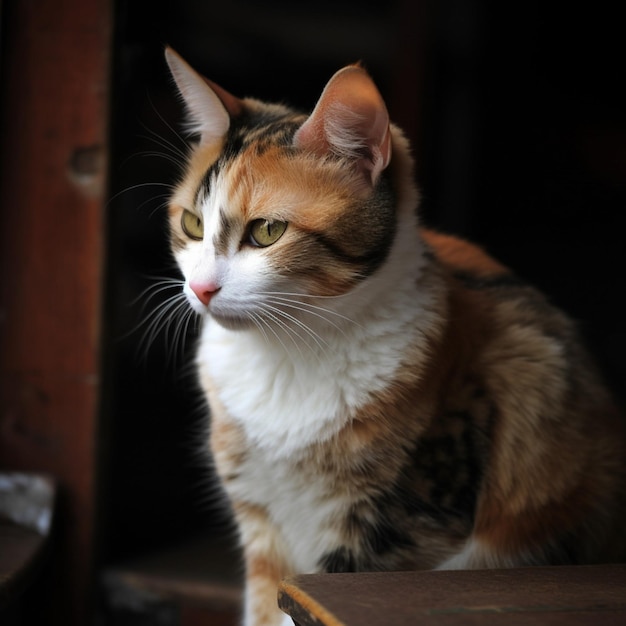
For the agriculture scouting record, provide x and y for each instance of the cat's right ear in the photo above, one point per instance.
(350, 120)
(210, 107)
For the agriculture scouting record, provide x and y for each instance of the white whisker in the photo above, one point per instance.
(258, 322)
(169, 186)
(158, 208)
(321, 343)
(175, 152)
(161, 155)
(169, 127)
(299, 294)
(172, 318)
(161, 320)
(287, 330)
(306, 308)
(163, 284)
(297, 298)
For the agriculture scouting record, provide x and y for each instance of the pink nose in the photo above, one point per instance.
(204, 291)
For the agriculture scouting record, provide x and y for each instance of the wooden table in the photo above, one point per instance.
(556, 596)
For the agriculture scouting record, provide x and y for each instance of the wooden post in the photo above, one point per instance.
(53, 142)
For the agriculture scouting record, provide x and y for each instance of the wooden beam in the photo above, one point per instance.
(53, 142)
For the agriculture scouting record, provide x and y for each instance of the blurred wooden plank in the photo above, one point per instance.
(26, 513)
(587, 595)
(198, 581)
(53, 143)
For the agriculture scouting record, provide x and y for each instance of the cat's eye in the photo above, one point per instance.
(264, 233)
(192, 225)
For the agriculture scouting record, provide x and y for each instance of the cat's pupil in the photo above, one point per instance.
(263, 232)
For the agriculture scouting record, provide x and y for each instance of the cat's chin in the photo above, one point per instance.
(232, 323)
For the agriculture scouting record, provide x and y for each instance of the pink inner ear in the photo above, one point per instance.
(231, 103)
(351, 120)
(310, 136)
(209, 107)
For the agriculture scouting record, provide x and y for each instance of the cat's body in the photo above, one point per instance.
(382, 397)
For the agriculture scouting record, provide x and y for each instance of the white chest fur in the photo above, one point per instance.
(288, 396)
(286, 400)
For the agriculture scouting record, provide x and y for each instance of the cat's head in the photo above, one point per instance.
(277, 209)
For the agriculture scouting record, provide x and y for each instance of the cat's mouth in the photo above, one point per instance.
(227, 316)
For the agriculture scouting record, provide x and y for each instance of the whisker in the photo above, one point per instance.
(158, 208)
(175, 160)
(321, 343)
(284, 327)
(167, 124)
(305, 308)
(151, 291)
(258, 322)
(169, 186)
(299, 294)
(182, 334)
(159, 320)
(294, 334)
(289, 297)
(165, 144)
(163, 312)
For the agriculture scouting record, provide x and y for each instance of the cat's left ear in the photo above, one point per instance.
(210, 106)
(350, 120)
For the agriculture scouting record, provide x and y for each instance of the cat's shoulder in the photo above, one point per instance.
(460, 255)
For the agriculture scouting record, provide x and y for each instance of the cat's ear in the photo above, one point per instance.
(350, 120)
(209, 106)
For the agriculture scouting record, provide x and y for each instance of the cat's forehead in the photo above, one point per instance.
(278, 183)
(256, 172)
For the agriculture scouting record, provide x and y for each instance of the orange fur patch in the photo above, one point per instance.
(461, 255)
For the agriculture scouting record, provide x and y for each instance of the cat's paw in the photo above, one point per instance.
(287, 621)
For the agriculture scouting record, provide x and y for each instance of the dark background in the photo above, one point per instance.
(518, 123)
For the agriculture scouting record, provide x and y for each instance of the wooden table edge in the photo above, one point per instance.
(300, 606)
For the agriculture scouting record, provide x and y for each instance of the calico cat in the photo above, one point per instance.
(382, 396)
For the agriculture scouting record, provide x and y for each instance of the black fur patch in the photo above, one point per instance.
(221, 239)
(496, 281)
(338, 561)
(382, 536)
(450, 469)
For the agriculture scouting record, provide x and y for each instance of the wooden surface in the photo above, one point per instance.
(53, 154)
(593, 595)
(26, 513)
(199, 580)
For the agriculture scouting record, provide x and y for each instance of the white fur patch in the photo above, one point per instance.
(287, 401)
(303, 510)
(477, 555)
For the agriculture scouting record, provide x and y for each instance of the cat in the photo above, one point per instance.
(382, 396)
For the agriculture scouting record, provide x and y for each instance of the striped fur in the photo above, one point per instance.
(382, 396)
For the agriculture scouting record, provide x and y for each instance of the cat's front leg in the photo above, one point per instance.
(266, 565)
(261, 594)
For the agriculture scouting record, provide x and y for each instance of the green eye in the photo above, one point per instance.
(264, 233)
(192, 225)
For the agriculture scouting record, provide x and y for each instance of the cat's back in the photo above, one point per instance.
(506, 332)
(556, 442)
